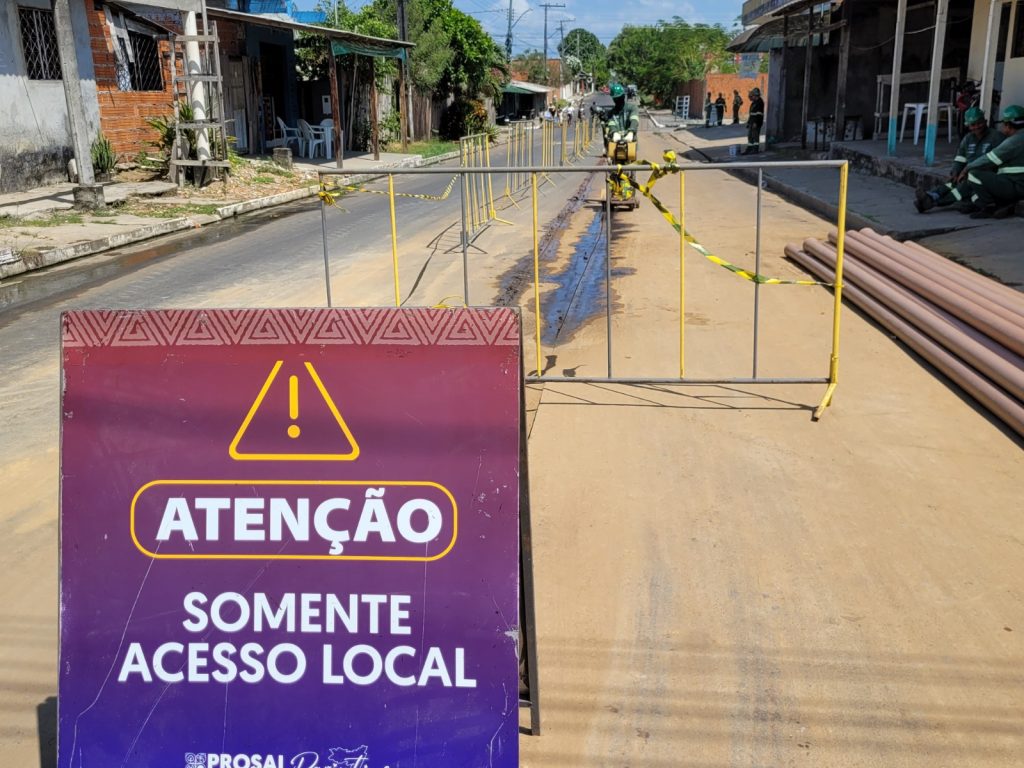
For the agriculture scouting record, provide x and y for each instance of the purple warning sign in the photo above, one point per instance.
(290, 538)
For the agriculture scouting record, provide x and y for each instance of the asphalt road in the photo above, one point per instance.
(720, 580)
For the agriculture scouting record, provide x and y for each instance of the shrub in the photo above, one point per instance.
(463, 118)
(103, 156)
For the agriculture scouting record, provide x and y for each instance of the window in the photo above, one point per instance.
(39, 43)
(1017, 51)
(144, 68)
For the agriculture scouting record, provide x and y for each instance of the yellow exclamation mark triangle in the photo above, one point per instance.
(291, 444)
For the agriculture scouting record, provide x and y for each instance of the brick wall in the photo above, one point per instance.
(725, 84)
(123, 113)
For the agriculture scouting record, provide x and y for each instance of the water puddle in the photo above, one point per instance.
(579, 292)
(63, 281)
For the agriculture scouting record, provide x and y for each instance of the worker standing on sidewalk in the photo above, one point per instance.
(755, 119)
(996, 178)
(737, 102)
(980, 140)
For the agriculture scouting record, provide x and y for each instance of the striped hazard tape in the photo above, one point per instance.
(330, 197)
(443, 196)
(659, 171)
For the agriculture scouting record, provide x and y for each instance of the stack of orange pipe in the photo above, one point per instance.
(969, 327)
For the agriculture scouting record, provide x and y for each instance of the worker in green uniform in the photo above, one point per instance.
(980, 140)
(623, 121)
(996, 178)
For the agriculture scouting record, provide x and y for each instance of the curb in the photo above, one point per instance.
(854, 220)
(60, 255)
(809, 202)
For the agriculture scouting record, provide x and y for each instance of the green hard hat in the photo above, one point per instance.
(1014, 115)
(973, 115)
(617, 91)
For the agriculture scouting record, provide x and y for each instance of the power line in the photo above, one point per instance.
(546, 7)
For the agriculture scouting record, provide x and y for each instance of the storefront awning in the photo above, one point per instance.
(343, 47)
(342, 41)
(521, 86)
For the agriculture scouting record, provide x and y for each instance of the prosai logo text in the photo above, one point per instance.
(221, 760)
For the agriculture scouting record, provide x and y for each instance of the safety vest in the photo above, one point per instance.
(1007, 158)
(626, 120)
(972, 148)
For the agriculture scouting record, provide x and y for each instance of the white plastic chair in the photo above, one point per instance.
(290, 134)
(919, 110)
(327, 126)
(314, 137)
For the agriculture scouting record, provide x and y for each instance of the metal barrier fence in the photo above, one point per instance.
(678, 223)
(478, 191)
(518, 154)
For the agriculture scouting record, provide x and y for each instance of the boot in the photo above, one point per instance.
(984, 213)
(967, 207)
(923, 202)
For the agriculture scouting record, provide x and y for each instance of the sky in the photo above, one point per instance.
(602, 17)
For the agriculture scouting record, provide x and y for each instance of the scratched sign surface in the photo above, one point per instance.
(289, 538)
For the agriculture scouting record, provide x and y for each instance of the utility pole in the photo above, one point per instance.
(404, 84)
(546, 6)
(511, 25)
(561, 43)
(508, 35)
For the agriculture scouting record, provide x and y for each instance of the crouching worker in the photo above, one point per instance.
(996, 178)
(980, 140)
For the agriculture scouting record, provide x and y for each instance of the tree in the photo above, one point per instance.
(453, 54)
(478, 64)
(583, 52)
(660, 58)
(530, 64)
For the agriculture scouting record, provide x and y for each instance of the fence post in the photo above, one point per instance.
(757, 266)
(323, 230)
(837, 290)
(394, 237)
(682, 274)
(536, 268)
(608, 269)
(465, 241)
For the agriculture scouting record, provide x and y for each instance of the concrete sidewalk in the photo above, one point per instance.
(40, 228)
(989, 246)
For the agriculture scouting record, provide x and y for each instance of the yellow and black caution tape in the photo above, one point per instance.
(445, 302)
(330, 197)
(657, 172)
(438, 198)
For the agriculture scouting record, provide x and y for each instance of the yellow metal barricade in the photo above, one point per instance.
(478, 211)
(518, 154)
(478, 188)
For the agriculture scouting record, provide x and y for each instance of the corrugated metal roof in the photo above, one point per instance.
(525, 87)
(273, 21)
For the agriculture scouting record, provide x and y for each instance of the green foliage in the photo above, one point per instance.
(463, 117)
(164, 125)
(432, 148)
(530, 64)
(391, 127)
(583, 52)
(103, 156)
(478, 67)
(662, 57)
(453, 54)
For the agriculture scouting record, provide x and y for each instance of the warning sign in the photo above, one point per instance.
(276, 412)
(289, 538)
